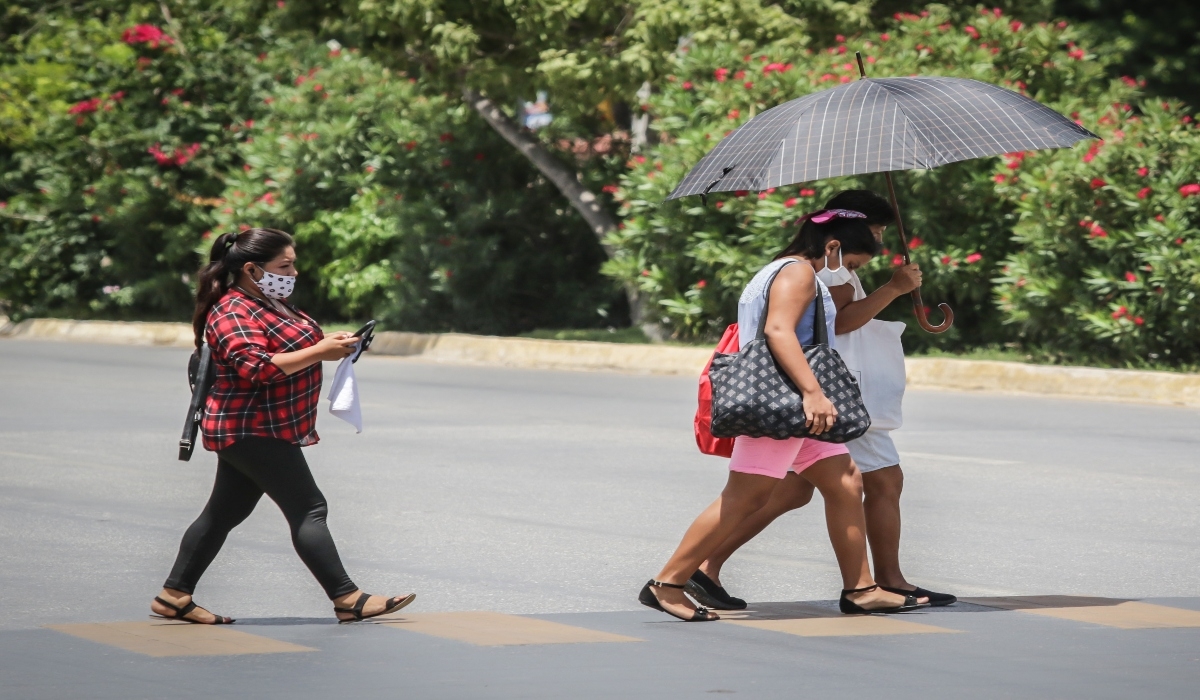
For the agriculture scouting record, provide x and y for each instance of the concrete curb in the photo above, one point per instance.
(1164, 388)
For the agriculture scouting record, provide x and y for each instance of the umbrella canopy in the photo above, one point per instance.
(878, 125)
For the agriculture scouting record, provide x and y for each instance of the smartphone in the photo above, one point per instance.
(367, 333)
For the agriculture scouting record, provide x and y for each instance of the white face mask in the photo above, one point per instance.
(275, 286)
(834, 278)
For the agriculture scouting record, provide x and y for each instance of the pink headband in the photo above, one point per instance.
(825, 215)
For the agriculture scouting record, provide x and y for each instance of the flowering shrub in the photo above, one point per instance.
(1108, 260)
(111, 163)
(959, 219)
(407, 207)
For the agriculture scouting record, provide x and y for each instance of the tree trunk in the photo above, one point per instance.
(567, 181)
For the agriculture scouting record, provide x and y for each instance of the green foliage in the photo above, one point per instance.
(93, 221)
(694, 260)
(1107, 263)
(407, 207)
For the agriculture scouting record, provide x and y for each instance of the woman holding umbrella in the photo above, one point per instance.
(787, 291)
(874, 453)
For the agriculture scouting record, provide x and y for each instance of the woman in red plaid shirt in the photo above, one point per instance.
(261, 411)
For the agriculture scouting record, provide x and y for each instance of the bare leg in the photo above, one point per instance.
(790, 493)
(882, 507)
(840, 484)
(743, 495)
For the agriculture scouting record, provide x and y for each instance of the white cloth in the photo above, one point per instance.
(754, 299)
(343, 393)
(874, 450)
(876, 356)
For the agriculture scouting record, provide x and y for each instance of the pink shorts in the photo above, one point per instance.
(771, 457)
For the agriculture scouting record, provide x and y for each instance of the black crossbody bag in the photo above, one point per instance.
(754, 397)
(201, 373)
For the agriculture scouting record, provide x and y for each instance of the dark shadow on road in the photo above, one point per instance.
(284, 621)
(801, 610)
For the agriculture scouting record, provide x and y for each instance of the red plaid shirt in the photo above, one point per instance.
(251, 395)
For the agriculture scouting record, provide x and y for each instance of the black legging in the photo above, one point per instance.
(245, 470)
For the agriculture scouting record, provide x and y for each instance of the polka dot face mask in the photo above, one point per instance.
(276, 286)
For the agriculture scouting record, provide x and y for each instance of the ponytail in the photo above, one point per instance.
(229, 253)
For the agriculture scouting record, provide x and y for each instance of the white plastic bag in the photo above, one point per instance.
(876, 357)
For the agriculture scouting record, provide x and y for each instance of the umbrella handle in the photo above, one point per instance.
(918, 305)
(923, 321)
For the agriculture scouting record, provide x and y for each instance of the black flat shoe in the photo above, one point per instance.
(708, 593)
(851, 608)
(181, 613)
(936, 600)
(647, 598)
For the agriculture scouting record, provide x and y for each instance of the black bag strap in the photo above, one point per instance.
(820, 332)
(204, 381)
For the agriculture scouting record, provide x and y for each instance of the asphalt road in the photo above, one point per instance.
(555, 495)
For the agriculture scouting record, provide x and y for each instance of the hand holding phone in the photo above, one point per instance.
(366, 335)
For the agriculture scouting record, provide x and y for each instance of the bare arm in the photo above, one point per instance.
(793, 291)
(853, 315)
(333, 347)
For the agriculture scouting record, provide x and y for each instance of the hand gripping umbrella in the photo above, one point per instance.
(879, 125)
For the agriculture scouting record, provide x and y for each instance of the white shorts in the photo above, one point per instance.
(874, 450)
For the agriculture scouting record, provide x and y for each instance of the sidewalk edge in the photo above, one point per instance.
(1163, 388)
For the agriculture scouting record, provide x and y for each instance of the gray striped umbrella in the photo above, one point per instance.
(879, 125)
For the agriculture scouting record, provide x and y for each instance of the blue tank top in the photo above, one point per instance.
(754, 299)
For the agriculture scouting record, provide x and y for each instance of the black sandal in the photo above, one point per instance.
(707, 592)
(936, 600)
(647, 598)
(182, 612)
(392, 605)
(851, 608)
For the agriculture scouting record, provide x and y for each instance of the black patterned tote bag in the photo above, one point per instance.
(753, 396)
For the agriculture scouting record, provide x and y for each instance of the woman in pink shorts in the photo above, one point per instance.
(758, 464)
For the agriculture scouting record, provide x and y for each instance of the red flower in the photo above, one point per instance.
(884, 37)
(1143, 171)
(1189, 190)
(268, 198)
(914, 243)
(971, 31)
(946, 259)
(687, 85)
(748, 85)
(791, 202)
(640, 159)
(1015, 25)
(1121, 311)
(410, 145)
(741, 193)
(734, 114)
(720, 74)
(318, 87)
(701, 284)
(808, 193)
(146, 34)
(370, 168)
(446, 163)
(1097, 183)
(85, 107)
(611, 189)
(720, 204)
(480, 156)
(1091, 154)
(1138, 320)
(898, 261)
(763, 195)
(999, 178)
(739, 75)
(1076, 54)
(446, 137)
(1130, 277)
(973, 258)
(1143, 193)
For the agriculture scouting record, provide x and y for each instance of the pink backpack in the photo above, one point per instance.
(709, 445)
